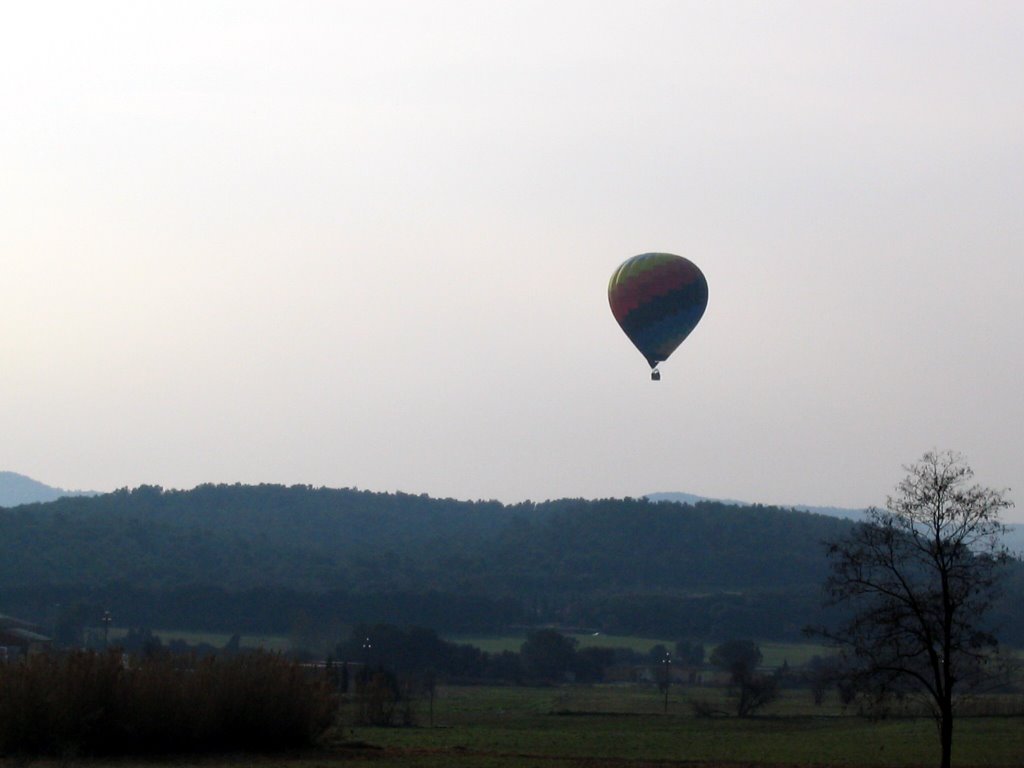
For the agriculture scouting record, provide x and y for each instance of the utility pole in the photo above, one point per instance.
(106, 619)
(666, 665)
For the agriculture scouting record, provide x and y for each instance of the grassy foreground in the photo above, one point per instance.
(626, 725)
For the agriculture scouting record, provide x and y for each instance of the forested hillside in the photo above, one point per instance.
(260, 558)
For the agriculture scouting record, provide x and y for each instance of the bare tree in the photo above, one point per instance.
(752, 690)
(919, 578)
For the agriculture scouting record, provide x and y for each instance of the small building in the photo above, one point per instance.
(20, 638)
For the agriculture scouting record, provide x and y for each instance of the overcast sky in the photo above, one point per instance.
(367, 244)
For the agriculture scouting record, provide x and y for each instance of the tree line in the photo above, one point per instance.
(267, 558)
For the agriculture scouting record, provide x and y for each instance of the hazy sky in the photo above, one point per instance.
(368, 243)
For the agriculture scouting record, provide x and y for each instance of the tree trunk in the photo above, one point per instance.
(946, 735)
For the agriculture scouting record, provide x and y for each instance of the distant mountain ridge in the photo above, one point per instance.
(847, 513)
(18, 489)
(1014, 538)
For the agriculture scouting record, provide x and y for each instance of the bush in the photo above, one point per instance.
(87, 703)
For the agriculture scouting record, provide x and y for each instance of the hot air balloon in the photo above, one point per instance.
(657, 299)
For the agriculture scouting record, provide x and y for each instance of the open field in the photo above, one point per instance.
(512, 642)
(625, 725)
(775, 654)
(216, 639)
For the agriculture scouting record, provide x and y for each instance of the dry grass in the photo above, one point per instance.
(87, 703)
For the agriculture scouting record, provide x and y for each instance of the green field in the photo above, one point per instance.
(216, 639)
(625, 725)
(775, 654)
(512, 642)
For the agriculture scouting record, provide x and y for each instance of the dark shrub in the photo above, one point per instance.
(97, 704)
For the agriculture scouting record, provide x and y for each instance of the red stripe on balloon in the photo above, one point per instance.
(633, 292)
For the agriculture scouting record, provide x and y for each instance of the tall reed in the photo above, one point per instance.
(98, 704)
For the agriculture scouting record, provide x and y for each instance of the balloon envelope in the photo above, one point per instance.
(657, 299)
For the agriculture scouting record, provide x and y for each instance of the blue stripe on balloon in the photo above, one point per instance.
(654, 310)
(658, 339)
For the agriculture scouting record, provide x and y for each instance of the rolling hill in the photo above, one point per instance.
(261, 558)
